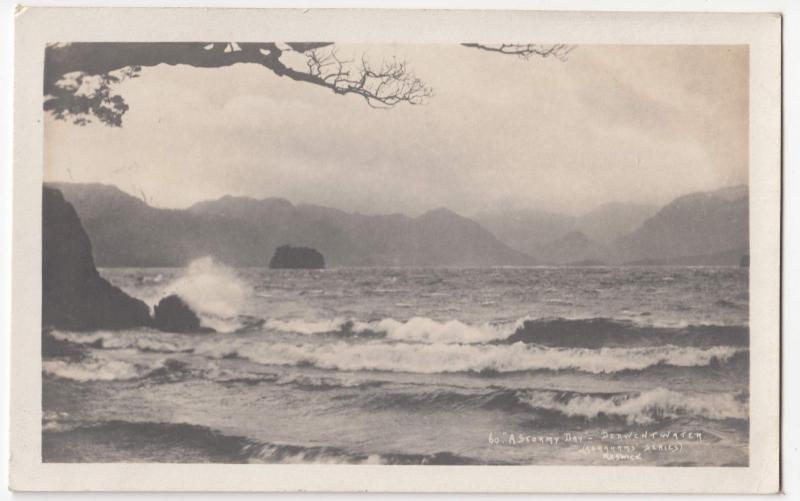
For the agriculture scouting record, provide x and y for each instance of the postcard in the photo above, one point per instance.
(396, 250)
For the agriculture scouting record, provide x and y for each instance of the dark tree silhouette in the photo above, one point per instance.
(79, 78)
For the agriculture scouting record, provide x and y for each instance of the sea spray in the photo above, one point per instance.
(214, 292)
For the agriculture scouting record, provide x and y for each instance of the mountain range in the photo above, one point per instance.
(242, 231)
(529, 229)
(702, 228)
(699, 228)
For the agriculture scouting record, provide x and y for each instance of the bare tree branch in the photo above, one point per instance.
(381, 86)
(79, 77)
(525, 51)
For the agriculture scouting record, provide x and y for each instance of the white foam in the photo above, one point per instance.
(300, 326)
(98, 369)
(215, 292)
(415, 330)
(141, 340)
(437, 358)
(430, 331)
(221, 348)
(426, 330)
(269, 453)
(645, 407)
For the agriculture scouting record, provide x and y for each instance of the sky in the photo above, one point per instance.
(640, 124)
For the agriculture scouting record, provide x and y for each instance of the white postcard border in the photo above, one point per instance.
(37, 26)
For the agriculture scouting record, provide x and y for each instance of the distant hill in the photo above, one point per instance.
(613, 220)
(526, 230)
(541, 233)
(242, 231)
(703, 228)
(574, 247)
(693, 229)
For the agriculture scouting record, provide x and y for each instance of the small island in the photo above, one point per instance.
(289, 257)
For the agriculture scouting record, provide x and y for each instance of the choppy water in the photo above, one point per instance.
(416, 366)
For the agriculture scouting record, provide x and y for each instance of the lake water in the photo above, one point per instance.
(605, 366)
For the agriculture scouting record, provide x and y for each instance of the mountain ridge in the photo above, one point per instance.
(696, 228)
(696, 224)
(244, 231)
(536, 231)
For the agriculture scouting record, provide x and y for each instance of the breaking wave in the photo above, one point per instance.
(592, 333)
(644, 407)
(444, 358)
(415, 330)
(214, 292)
(426, 330)
(567, 333)
(605, 332)
(100, 369)
(143, 340)
(394, 355)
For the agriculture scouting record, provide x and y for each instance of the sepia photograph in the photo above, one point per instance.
(391, 254)
(395, 254)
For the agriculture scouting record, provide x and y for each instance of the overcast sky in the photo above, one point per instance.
(637, 123)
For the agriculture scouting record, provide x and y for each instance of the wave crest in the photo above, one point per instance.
(645, 407)
(415, 330)
(552, 332)
(605, 332)
(146, 341)
(553, 407)
(101, 369)
(443, 358)
(426, 330)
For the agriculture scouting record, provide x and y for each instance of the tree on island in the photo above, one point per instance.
(79, 77)
(289, 257)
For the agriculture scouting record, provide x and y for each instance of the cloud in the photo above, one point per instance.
(611, 123)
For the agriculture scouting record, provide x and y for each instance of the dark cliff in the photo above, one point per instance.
(74, 295)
